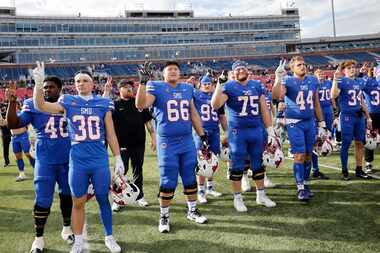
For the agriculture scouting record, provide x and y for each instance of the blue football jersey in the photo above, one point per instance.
(52, 138)
(324, 92)
(171, 108)
(209, 117)
(372, 95)
(351, 92)
(300, 97)
(87, 128)
(243, 104)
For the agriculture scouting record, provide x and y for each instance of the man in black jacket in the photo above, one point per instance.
(130, 131)
(5, 133)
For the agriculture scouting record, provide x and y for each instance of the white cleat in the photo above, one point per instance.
(111, 244)
(67, 235)
(239, 205)
(20, 178)
(164, 224)
(268, 183)
(262, 199)
(38, 245)
(142, 202)
(77, 248)
(246, 183)
(196, 216)
(115, 207)
(202, 198)
(214, 193)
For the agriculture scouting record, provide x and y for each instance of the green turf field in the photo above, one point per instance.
(342, 217)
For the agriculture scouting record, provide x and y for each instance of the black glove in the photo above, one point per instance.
(145, 73)
(223, 78)
(204, 141)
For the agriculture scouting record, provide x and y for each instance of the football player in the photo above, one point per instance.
(324, 92)
(210, 122)
(301, 107)
(349, 91)
(372, 96)
(51, 166)
(90, 123)
(247, 110)
(20, 144)
(175, 115)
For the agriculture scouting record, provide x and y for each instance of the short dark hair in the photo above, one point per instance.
(168, 63)
(84, 71)
(56, 80)
(125, 82)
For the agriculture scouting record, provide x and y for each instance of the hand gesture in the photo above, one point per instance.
(108, 85)
(280, 70)
(338, 73)
(223, 78)
(145, 72)
(364, 68)
(10, 92)
(39, 74)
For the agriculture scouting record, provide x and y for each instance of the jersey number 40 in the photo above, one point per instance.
(52, 129)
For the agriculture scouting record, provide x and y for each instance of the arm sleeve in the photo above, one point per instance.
(221, 111)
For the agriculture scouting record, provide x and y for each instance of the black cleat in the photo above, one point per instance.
(319, 175)
(345, 175)
(361, 174)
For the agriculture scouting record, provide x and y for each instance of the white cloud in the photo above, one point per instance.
(352, 16)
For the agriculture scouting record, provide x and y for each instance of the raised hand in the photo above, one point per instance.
(338, 73)
(280, 70)
(145, 72)
(223, 78)
(10, 92)
(39, 74)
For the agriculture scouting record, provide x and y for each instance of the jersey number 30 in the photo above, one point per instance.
(88, 127)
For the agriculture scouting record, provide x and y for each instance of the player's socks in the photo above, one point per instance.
(32, 161)
(164, 223)
(299, 172)
(20, 164)
(66, 204)
(202, 189)
(307, 166)
(344, 155)
(164, 210)
(210, 185)
(40, 217)
(105, 212)
(314, 159)
(191, 205)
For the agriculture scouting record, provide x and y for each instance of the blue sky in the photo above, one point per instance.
(352, 16)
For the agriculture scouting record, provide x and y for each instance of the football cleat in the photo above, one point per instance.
(202, 197)
(207, 163)
(195, 215)
(362, 174)
(371, 139)
(213, 193)
(111, 244)
(307, 188)
(77, 248)
(273, 156)
(303, 195)
(123, 192)
(67, 235)
(262, 199)
(20, 178)
(38, 245)
(345, 175)
(239, 205)
(164, 224)
(319, 175)
(142, 202)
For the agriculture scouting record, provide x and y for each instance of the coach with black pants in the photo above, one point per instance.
(5, 134)
(130, 131)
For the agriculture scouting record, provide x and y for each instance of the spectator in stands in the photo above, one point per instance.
(130, 131)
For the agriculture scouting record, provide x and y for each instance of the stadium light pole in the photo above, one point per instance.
(333, 17)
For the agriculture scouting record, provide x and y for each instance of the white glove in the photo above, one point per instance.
(322, 124)
(39, 74)
(280, 71)
(119, 166)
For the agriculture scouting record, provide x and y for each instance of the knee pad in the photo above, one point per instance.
(258, 174)
(191, 189)
(169, 194)
(236, 175)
